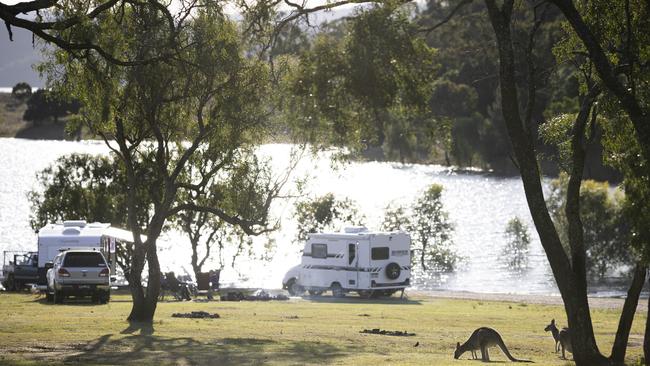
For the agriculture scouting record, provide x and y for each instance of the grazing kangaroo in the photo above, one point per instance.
(556, 334)
(481, 339)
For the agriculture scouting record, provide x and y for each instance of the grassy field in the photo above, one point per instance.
(308, 331)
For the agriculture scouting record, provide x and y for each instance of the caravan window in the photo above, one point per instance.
(319, 250)
(379, 253)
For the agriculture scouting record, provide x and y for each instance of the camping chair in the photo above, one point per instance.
(203, 283)
(175, 287)
(208, 282)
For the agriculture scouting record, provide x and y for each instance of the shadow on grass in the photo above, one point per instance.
(139, 350)
(144, 328)
(74, 301)
(359, 300)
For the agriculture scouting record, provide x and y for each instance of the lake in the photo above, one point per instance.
(479, 205)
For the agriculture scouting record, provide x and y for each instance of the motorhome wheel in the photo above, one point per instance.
(337, 290)
(294, 288)
(393, 270)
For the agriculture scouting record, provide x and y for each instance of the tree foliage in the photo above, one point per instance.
(43, 105)
(21, 91)
(325, 213)
(605, 226)
(87, 187)
(190, 122)
(367, 90)
(517, 237)
(430, 228)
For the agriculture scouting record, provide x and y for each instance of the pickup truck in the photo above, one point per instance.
(20, 271)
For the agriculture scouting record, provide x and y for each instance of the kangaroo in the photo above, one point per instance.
(556, 334)
(565, 341)
(481, 339)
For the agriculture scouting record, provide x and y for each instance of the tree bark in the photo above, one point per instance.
(627, 316)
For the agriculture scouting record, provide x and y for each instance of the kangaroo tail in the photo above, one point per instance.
(503, 347)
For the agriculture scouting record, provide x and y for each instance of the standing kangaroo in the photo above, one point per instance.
(481, 339)
(562, 338)
(555, 332)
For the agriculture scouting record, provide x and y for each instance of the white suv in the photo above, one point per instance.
(79, 273)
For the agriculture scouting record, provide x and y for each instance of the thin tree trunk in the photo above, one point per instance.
(646, 337)
(627, 316)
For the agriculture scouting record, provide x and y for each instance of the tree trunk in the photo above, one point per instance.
(627, 316)
(646, 337)
(572, 288)
(196, 267)
(145, 301)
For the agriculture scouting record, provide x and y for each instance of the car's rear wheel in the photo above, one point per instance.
(105, 297)
(10, 284)
(58, 297)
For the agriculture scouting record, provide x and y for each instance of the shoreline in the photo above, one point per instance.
(594, 302)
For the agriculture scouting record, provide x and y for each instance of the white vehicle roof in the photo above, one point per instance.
(355, 232)
(82, 229)
(77, 229)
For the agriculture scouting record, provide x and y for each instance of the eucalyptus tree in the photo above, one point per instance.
(430, 227)
(190, 121)
(90, 187)
(518, 101)
(368, 89)
(325, 212)
(517, 237)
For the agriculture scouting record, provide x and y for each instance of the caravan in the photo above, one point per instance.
(370, 263)
(77, 234)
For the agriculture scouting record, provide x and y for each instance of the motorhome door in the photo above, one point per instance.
(353, 265)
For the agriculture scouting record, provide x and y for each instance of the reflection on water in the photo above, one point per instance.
(478, 204)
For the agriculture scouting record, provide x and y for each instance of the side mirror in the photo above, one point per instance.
(49, 265)
(113, 279)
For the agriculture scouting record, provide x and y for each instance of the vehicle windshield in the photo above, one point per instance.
(84, 260)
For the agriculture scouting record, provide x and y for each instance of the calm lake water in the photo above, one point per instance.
(479, 205)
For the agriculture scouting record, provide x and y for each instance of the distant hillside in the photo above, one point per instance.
(13, 125)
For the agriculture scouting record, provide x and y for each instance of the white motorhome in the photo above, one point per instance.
(78, 234)
(370, 263)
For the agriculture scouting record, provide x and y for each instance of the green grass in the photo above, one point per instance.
(297, 332)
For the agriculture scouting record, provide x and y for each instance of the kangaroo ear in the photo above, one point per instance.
(552, 321)
(457, 345)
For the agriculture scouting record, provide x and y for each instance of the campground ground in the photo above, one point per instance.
(299, 331)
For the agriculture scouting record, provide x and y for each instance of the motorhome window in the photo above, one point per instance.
(379, 253)
(319, 250)
(351, 253)
(84, 260)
